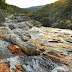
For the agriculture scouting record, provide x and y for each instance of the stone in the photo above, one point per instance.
(4, 51)
(2, 59)
(41, 49)
(23, 34)
(15, 39)
(19, 68)
(11, 27)
(4, 67)
(57, 58)
(2, 25)
(15, 50)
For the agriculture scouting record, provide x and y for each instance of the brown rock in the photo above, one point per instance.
(57, 58)
(15, 49)
(19, 68)
(12, 70)
(1, 59)
(2, 25)
(4, 67)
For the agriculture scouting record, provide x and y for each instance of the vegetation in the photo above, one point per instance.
(35, 8)
(31, 12)
(55, 14)
(11, 8)
(15, 9)
(3, 4)
(58, 14)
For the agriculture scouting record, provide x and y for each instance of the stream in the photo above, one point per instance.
(29, 63)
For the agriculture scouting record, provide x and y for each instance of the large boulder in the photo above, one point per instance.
(2, 19)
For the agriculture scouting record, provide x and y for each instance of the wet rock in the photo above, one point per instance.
(4, 67)
(15, 39)
(57, 58)
(36, 49)
(20, 68)
(33, 23)
(23, 34)
(37, 63)
(60, 69)
(4, 51)
(55, 41)
(36, 30)
(22, 25)
(69, 52)
(40, 64)
(1, 59)
(2, 25)
(10, 65)
(15, 50)
(11, 27)
(69, 40)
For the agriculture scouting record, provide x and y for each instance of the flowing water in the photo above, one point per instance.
(29, 63)
(35, 64)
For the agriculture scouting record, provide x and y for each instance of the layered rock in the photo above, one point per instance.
(57, 40)
(35, 49)
(8, 35)
(10, 65)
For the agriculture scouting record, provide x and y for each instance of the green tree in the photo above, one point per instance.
(3, 4)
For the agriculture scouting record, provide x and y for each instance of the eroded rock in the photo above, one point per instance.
(15, 50)
(36, 49)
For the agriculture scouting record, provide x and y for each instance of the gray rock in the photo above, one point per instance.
(23, 34)
(4, 51)
(11, 26)
(28, 47)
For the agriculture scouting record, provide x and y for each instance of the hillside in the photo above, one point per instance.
(35, 8)
(56, 14)
(3, 4)
(17, 9)
(11, 8)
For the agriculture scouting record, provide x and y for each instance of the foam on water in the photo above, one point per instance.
(39, 64)
(29, 63)
(60, 69)
(35, 64)
(12, 61)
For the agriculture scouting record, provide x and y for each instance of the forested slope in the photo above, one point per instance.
(55, 14)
